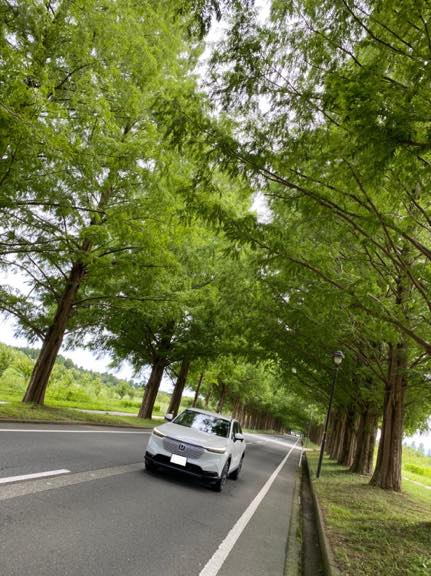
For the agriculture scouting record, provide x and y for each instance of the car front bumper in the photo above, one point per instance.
(208, 465)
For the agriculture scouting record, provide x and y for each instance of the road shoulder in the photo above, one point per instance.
(261, 548)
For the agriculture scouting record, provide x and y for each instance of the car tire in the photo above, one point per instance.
(235, 474)
(219, 485)
(149, 466)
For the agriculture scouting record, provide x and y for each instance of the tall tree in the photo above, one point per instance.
(86, 82)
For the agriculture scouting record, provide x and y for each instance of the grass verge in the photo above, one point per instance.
(33, 413)
(416, 466)
(374, 532)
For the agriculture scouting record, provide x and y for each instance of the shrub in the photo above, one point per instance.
(420, 470)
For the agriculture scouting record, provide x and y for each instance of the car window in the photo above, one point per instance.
(204, 423)
(239, 428)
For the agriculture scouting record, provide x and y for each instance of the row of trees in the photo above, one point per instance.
(113, 205)
(126, 190)
(334, 128)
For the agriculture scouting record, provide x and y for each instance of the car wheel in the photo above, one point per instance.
(150, 466)
(236, 472)
(219, 485)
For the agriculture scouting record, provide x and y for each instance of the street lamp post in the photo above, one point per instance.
(338, 357)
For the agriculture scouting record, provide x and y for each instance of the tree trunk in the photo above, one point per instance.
(198, 387)
(339, 435)
(54, 337)
(387, 474)
(332, 431)
(349, 441)
(151, 389)
(174, 404)
(365, 441)
(240, 416)
(222, 398)
(236, 407)
(207, 398)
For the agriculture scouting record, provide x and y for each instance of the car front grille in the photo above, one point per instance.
(193, 469)
(183, 448)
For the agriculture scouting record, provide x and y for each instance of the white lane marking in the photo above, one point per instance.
(214, 564)
(74, 431)
(285, 444)
(18, 489)
(33, 476)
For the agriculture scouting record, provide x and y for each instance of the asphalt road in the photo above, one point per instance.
(103, 514)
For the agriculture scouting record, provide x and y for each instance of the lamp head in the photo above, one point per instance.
(338, 357)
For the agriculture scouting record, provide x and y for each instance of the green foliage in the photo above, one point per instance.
(332, 124)
(420, 470)
(70, 384)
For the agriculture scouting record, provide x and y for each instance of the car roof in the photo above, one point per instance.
(229, 418)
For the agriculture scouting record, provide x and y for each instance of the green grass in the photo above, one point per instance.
(30, 412)
(416, 466)
(117, 405)
(309, 445)
(374, 532)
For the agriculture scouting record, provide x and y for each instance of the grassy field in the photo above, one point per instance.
(374, 532)
(18, 411)
(416, 466)
(70, 387)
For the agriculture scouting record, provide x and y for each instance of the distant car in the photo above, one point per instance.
(199, 443)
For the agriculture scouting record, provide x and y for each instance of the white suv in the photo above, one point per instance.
(200, 443)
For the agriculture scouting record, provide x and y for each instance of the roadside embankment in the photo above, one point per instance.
(19, 412)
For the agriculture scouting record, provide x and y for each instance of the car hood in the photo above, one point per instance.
(192, 436)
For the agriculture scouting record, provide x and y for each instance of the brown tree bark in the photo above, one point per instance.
(246, 418)
(198, 387)
(240, 416)
(332, 430)
(387, 473)
(174, 404)
(207, 399)
(54, 337)
(365, 441)
(151, 389)
(222, 397)
(339, 435)
(160, 361)
(349, 441)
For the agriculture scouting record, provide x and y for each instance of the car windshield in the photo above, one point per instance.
(204, 423)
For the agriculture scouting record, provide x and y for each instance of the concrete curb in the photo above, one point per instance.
(329, 564)
(293, 547)
(71, 422)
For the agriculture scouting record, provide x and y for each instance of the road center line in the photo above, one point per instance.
(214, 564)
(75, 431)
(33, 476)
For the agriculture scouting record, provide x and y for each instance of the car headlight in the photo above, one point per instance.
(157, 432)
(216, 450)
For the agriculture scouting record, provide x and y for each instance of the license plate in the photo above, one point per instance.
(181, 460)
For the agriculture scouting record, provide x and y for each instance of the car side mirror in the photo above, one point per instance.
(239, 437)
(169, 416)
